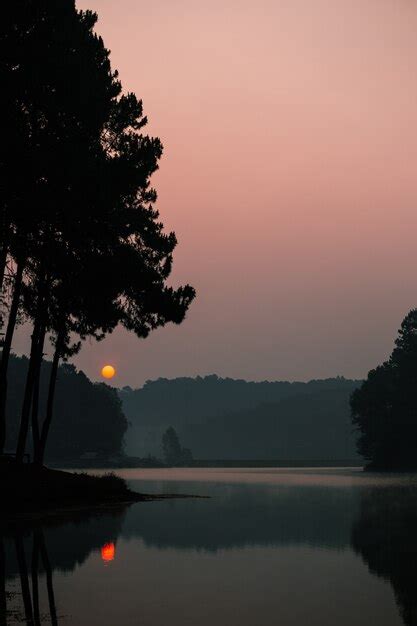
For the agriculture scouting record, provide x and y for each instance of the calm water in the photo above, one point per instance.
(271, 546)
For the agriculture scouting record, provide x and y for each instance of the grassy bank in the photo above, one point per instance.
(24, 487)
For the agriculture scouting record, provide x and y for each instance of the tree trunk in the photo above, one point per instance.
(24, 580)
(35, 396)
(4, 249)
(35, 360)
(35, 579)
(49, 580)
(51, 396)
(3, 261)
(7, 345)
(27, 397)
(35, 417)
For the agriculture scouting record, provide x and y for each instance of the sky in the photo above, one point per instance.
(289, 176)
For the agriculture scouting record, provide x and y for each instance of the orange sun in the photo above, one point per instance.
(108, 371)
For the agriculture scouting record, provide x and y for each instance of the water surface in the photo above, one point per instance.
(270, 546)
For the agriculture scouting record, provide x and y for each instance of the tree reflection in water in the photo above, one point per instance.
(31, 600)
(23, 574)
(28, 551)
(108, 552)
(385, 535)
(379, 522)
(3, 604)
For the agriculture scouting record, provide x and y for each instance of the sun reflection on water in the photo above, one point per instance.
(108, 552)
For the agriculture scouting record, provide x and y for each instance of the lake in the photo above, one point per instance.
(270, 546)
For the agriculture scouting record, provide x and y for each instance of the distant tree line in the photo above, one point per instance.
(187, 399)
(222, 418)
(81, 246)
(89, 420)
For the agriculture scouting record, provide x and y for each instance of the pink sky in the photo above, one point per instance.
(289, 176)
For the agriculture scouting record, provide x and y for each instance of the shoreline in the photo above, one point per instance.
(30, 492)
(62, 511)
(137, 463)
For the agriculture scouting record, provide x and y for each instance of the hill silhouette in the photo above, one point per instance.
(89, 418)
(221, 418)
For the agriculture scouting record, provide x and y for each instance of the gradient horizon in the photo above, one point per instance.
(290, 135)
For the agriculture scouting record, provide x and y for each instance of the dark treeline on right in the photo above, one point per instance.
(384, 408)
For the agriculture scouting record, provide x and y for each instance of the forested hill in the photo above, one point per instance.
(236, 419)
(88, 418)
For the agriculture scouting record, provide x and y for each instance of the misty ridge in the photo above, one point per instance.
(223, 418)
(89, 420)
(217, 418)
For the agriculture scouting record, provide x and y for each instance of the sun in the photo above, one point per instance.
(108, 371)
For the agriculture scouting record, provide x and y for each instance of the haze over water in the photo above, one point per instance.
(270, 546)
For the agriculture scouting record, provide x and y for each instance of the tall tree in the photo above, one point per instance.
(87, 184)
(58, 77)
(384, 408)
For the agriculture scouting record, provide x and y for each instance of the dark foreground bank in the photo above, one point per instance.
(28, 489)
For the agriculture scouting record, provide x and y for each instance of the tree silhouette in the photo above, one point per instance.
(90, 253)
(174, 454)
(50, 51)
(384, 408)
